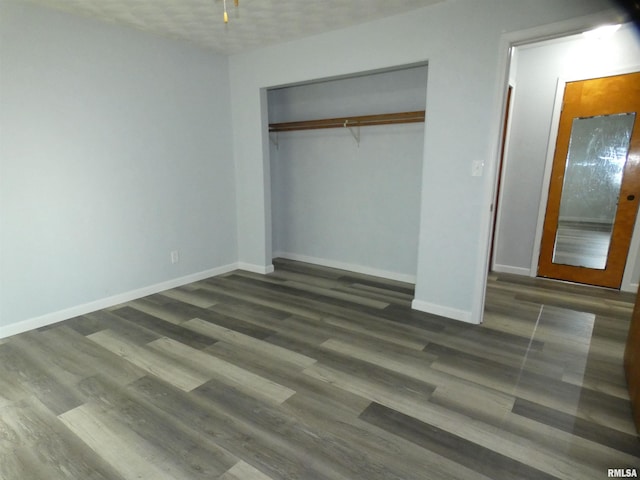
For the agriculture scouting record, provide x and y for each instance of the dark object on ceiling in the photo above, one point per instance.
(632, 8)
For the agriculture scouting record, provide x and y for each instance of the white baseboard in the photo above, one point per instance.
(448, 312)
(54, 317)
(250, 267)
(400, 277)
(514, 270)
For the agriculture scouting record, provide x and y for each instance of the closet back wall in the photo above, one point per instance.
(341, 204)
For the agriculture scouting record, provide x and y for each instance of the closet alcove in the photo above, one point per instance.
(346, 166)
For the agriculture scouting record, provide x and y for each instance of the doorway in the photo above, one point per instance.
(536, 70)
(595, 182)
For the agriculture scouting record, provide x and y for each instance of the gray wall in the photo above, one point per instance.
(114, 150)
(462, 42)
(337, 203)
(538, 69)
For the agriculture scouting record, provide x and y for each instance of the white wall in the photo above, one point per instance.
(461, 40)
(538, 68)
(339, 203)
(403, 89)
(115, 149)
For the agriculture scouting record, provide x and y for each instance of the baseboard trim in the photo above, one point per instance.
(251, 267)
(400, 277)
(631, 288)
(513, 270)
(54, 317)
(448, 312)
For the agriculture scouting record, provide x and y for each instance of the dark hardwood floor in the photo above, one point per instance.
(315, 373)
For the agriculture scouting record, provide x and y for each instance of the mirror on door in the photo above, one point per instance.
(598, 149)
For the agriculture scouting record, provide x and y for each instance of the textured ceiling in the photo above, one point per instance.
(254, 23)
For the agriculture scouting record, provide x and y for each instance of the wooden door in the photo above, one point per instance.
(595, 182)
(632, 362)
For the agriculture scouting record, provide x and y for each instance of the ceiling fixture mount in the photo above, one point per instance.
(226, 15)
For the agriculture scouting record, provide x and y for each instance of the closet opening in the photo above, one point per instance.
(346, 160)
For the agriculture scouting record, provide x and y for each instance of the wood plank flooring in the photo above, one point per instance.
(316, 373)
(582, 244)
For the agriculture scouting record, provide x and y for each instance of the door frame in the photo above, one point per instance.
(507, 42)
(632, 256)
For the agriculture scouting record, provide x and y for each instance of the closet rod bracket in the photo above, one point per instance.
(355, 133)
(273, 138)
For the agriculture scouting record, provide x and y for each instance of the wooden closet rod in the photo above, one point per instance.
(361, 121)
